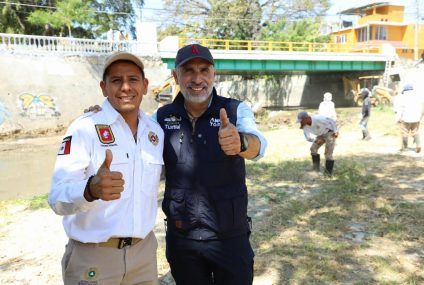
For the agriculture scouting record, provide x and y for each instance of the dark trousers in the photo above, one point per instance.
(221, 262)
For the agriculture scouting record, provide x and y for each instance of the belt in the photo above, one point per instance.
(118, 242)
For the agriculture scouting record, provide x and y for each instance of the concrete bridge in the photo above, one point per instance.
(232, 56)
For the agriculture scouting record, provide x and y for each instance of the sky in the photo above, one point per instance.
(152, 6)
(340, 5)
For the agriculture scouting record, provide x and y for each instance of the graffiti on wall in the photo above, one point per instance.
(3, 113)
(36, 106)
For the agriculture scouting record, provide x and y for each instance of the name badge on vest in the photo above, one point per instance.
(172, 123)
(215, 122)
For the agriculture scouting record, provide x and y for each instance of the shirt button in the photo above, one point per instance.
(199, 136)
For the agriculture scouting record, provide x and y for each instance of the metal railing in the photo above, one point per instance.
(42, 44)
(280, 46)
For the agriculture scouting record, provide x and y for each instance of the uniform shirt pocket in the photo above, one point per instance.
(120, 163)
(152, 168)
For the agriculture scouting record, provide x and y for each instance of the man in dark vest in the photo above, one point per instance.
(207, 138)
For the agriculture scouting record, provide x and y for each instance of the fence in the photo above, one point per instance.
(37, 44)
(42, 44)
(221, 44)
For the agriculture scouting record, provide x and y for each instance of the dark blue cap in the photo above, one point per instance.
(365, 92)
(193, 51)
(301, 116)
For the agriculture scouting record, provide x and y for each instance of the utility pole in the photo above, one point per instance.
(417, 27)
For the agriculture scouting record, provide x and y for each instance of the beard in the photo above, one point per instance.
(198, 98)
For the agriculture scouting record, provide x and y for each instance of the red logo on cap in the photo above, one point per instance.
(194, 49)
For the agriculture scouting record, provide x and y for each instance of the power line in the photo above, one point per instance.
(55, 8)
(28, 5)
(157, 10)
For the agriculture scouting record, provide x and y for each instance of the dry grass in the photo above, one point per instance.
(363, 226)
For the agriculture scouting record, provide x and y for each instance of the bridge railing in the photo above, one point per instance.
(280, 46)
(41, 44)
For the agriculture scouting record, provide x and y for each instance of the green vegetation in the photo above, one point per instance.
(38, 202)
(66, 14)
(34, 203)
(9, 207)
(77, 18)
(276, 20)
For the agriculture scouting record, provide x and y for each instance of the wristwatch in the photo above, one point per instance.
(244, 143)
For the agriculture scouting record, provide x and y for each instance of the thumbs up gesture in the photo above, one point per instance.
(107, 185)
(229, 138)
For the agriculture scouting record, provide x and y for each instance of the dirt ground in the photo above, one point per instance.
(32, 242)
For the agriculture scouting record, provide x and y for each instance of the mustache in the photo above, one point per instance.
(202, 85)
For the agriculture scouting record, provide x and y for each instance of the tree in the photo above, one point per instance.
(171, 30)
(68, 13)
(294, 21)
(118, 15)
(14, 13)
(236, 19)
(244, 19)
(305, 30)
(85, 19)
(274, 10)
(239, 19)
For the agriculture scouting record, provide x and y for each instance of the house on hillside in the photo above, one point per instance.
(380, 25)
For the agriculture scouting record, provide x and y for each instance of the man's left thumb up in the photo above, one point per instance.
(223, 117)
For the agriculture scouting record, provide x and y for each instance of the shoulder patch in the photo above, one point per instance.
(65, 147)
(105, 134)
(153, 138)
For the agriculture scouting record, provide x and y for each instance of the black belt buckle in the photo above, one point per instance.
(123, 242)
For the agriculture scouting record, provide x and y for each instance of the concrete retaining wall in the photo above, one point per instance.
(46, 92)
(39, 92)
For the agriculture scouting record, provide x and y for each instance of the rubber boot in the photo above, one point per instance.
(404, 143)
(329, 164)
(315, 162)
(417, 143)
(366, 135)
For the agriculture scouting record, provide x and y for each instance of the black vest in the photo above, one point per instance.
(205, 190)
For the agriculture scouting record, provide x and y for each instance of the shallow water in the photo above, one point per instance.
(26, 166)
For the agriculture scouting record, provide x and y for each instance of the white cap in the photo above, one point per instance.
(328, 96)
(120, 55)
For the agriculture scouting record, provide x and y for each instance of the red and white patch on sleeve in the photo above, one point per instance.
(65, 147)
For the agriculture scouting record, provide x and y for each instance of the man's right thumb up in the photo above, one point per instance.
(108, 160)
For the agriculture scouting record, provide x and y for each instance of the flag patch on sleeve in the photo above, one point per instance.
(65, 147)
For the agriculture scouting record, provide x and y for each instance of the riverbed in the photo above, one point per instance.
(26, 166)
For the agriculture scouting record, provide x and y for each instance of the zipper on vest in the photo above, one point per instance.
(180, 146)
(193, 125)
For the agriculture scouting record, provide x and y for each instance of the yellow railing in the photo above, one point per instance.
(30, 43)
(220, 44)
